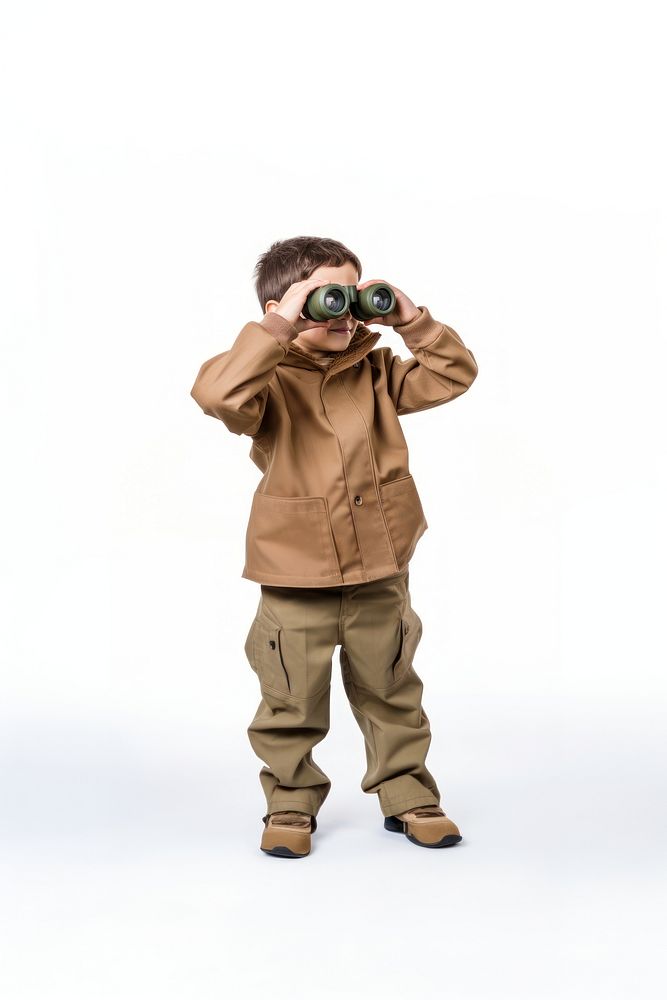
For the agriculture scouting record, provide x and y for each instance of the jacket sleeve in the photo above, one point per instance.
(233, 386)
(442, 367)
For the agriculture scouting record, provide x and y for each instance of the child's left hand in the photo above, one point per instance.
(405, 308)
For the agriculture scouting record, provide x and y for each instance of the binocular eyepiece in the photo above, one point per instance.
(331, 301)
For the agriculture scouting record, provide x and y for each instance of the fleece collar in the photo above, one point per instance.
(363, 340)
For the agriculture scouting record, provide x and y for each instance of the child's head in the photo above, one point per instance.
(296, 259)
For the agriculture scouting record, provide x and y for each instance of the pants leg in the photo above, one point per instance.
(290, 646)
(380, 633)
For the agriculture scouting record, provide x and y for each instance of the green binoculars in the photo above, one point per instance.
(331, 301)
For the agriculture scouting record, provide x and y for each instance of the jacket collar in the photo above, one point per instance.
(363, 341)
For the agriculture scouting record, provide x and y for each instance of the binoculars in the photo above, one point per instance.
(331, 301)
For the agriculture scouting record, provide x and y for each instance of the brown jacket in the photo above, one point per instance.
(336, 503)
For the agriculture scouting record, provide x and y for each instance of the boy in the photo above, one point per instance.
(333, 524)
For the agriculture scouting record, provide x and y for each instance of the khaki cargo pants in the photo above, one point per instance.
(290, 646)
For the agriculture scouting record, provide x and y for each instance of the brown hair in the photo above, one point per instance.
(287, 261)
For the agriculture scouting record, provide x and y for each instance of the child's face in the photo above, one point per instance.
(321, 339)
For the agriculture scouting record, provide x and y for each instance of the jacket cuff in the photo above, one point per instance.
(279, 327)
(421, 331)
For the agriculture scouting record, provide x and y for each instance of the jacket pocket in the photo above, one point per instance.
(404, 515)
(411, 633)
(290, 536)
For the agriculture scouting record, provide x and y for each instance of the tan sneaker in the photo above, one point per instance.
(287, 833)
(427, 826)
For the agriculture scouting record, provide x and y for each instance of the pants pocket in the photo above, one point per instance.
(264, 651)
(411, 633)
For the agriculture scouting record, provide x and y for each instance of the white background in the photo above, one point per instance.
(502, 164)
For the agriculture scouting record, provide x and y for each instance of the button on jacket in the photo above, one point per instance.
(336, 503)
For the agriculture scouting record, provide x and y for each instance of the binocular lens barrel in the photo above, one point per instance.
(333, 300)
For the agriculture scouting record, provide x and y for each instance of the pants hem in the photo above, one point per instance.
(393, 806)
(298, 805)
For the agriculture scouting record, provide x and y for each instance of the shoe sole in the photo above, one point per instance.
(283, 852)
(395, 825)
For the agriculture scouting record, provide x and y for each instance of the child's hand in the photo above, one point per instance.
(405, 308)
(294, 300)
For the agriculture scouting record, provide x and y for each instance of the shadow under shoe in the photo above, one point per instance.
(426, 826)
(287, 833)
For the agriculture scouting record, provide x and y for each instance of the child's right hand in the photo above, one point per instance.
(294, 300)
